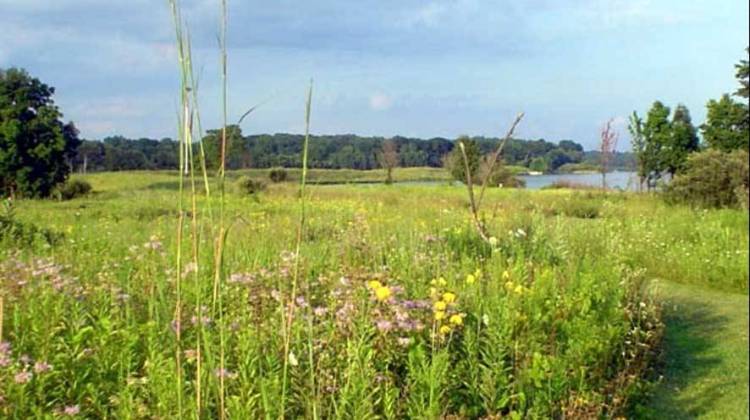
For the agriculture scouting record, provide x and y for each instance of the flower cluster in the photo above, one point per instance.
(446, 317)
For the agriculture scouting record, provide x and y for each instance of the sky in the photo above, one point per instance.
(382, 67)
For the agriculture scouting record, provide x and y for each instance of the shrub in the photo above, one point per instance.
(278, 175)
(249, 186)
(73, 189)
(23, 234)
(712, 179)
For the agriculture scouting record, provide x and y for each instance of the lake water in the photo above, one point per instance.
(617, 179)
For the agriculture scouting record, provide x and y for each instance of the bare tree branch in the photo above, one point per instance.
(496, 156)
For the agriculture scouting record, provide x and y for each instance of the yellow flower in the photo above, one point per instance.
(433, 292)
(478, 273)
(518, 289)
(456, 320)
(506, 275)
(509, 285)
(374, 284)
(440, 306)
(449, 297)
(470, 279)
(439, 315)
(445, 329)
(441, 282)
(382, 293)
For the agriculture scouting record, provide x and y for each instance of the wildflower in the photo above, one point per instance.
(470, 279)
(404, 341)
(384, 325)
(506, 275)
(449, 297)
(320, 311)
(439, 315)
(382, 293)
(445, 329)
(456, 319)
(519, 289)
(190, 354)
(439, 282)
(440, 306)
(71, 410)
(224, 373)
(374, 284)
(41, 367)
(293, 359)
(493, 241)
(22, 377)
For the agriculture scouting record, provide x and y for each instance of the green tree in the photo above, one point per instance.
(35, 145)
(538, 164)
(743, 76)
(682, 142)
(638, 144)
(237, 155)
(726, 126)
(657, 132)
(473, 156)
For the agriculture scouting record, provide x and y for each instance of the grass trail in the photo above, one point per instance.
(706, 355)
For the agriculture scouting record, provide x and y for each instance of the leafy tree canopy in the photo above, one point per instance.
(35, 145)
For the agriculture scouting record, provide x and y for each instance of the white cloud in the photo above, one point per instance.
(380, 101)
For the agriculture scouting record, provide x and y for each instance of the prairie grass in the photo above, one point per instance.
(544, 317)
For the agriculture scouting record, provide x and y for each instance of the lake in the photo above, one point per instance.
(616, 179)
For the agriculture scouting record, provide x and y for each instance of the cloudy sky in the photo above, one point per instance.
(382, 67)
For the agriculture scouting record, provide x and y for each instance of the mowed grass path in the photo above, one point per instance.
(706, 355)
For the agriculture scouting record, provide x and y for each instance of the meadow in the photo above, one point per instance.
(392, 308)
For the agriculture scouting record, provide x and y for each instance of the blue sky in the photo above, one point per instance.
(383, 67)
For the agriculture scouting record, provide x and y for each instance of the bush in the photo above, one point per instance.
(23, 234)
(278, 175)
(249, 186)
(73, 189)
(712, 179)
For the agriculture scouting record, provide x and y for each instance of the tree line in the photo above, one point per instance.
(325, 151)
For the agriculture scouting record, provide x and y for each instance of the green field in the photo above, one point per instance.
(394, 307)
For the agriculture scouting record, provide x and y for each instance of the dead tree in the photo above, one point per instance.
(388, 158)
(476, 204)
(607, 150)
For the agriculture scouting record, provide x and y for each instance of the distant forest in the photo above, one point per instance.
(118, 153)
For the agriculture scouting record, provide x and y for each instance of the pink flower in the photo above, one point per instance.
(22, 377)
(41, 367)
(71, 410)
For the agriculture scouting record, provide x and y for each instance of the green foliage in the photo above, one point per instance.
(458, 164)
(35, 145)
(19, 234)
(726, 126)
(712, 179)
(278, 175)
(682, 142)
(657, 133)
(249, 186)
(326, 152)
(555, 321)
(743, 76)
(72, 189)
(538, 164)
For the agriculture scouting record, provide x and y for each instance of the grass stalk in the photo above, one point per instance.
(295, 279)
